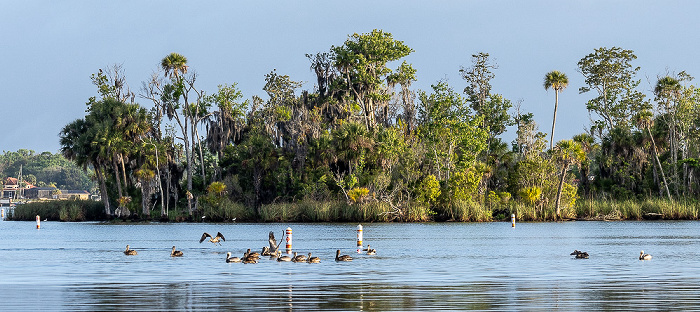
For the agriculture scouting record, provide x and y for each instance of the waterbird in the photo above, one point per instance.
(214, 240)
(644, 256)
(130, 252)
(371, 251)
(250, 258)
(580, 254)
(176, 253)
(313, 259)
(265, 251)
(338, 257)
(284, 258)
(252, 254)
(298, 258)
(230, 259)
(273, 242)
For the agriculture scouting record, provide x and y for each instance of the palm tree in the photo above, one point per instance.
(566, 153)
(174, 64)
(645, 121)
(667, 91)
(557, 81)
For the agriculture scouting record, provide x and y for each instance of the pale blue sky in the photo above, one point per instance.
(49, 49)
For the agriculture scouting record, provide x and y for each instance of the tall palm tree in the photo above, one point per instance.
(645, 121)
(667, 91)
(558, 82)
(566, 153)
(174, 64)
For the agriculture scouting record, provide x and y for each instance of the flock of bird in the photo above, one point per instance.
(584, 255)
(252, 257)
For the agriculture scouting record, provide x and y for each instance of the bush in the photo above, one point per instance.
(61, 210)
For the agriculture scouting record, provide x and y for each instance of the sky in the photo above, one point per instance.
(49, 49)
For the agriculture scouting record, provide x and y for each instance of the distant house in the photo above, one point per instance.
(39, 193)
(74, 194)
(10, 187)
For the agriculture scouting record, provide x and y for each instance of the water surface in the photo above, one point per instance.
(435, 266)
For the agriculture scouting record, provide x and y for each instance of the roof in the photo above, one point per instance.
(11, 181)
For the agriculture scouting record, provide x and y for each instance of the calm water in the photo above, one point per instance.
(440, 266)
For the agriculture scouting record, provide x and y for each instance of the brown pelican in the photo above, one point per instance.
(252, 254)
(230, 259)
(580, 254)
(265, 251)
(371, 251)
(338, 257)
(175, 253)
(643, 256)
(313, 259)
(273, 243)
(214, 240)
(299, 258)
(281, 258)
(250, 260)
(130, 252)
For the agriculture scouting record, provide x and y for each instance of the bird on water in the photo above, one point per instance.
(644, 256)
(580, 254)
(215, 240)
(281, 258)
(176, 253)
(230, 259)
(130, 252)
(338, 257)
(371, 251)
(313, 259)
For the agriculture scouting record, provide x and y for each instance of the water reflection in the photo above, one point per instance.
(237, 296)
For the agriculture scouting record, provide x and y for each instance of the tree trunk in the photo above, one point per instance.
(145, 195)
(656, 156)
(554, 120)
(559, 190)
(121, 158)
(103, 189)
(116, 176)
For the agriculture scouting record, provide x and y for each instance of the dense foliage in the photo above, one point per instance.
(364, 146)
(45, 169)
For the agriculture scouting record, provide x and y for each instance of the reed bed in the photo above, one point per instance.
(60, 210)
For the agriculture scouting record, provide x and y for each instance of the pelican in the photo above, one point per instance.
(580, 254)
(338, 257)
(250, 258)
(273, 243)
(130, 252)
(644, 256)
(175, 253)
(299, 258)
(371, 251)
(265, 251)
(214, 240)
(252, 254)
(230, 259)
(313, 259)
(281, 258)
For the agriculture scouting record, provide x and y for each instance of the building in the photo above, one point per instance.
(39, 193)
(74, 194)
(10, 186)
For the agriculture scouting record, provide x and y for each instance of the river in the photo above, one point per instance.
(418, 267)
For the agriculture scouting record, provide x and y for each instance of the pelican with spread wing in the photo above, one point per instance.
(215, 240)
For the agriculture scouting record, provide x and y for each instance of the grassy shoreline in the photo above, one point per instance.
(339, 211)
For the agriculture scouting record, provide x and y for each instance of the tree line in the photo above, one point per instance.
(364, 137)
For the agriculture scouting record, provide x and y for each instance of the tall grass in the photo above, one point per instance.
(60, 210)
(637, 209)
